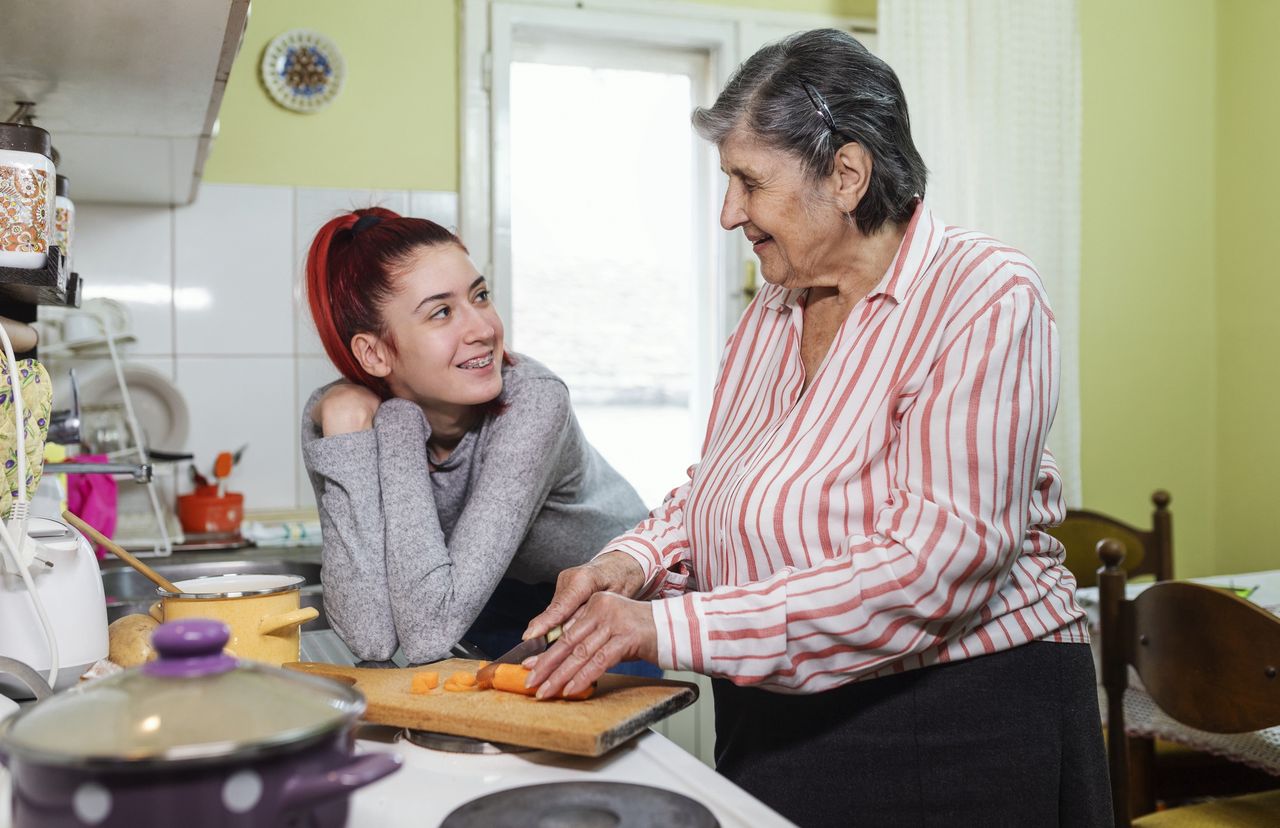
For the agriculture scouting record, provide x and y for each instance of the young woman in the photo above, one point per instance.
(453, 481)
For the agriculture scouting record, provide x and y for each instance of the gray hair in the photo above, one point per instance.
(766, 95)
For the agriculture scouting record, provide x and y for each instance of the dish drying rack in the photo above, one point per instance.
(143, 470)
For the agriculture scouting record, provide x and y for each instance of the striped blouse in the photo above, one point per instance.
(891, 515)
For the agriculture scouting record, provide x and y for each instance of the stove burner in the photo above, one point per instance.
(582, 805)
(449, 743)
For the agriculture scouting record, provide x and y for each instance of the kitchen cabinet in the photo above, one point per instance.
(129, 90)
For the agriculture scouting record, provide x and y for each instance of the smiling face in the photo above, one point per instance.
(791, 222)
(448, 337)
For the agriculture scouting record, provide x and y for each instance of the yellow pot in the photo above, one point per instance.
(263, 612)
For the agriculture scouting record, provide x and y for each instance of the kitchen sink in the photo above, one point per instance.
(129, 592)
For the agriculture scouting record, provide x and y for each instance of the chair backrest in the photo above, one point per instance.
(1207, 658)
(1147, 551)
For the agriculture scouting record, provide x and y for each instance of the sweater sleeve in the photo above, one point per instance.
(437, 588)
(967, 466)
(344, 474)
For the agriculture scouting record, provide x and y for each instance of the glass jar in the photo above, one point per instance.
(27, 192)
(64, 219)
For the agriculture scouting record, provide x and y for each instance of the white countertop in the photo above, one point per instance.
(431, 784)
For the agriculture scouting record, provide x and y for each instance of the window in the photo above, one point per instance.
(594, 208)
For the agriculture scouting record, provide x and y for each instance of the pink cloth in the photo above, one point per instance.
(92, 497)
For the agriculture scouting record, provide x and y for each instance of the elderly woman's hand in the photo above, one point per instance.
(607, 629)
(345, 408)
(611, 572)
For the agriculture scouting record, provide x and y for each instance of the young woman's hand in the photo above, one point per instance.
(345, 408)
(606, 630)
(611, 572)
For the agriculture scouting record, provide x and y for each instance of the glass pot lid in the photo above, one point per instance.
(193, 704)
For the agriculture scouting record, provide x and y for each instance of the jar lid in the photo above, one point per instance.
(193, 705)
(63, 185)
(26, 138)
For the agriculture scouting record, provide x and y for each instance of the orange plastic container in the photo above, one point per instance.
(204, 510)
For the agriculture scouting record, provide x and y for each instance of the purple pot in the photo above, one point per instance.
(194, 739)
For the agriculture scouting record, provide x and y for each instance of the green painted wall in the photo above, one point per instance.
(394, 124)
(1248, 292)
(1148, 352)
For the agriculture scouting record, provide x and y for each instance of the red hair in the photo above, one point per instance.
(351, 276)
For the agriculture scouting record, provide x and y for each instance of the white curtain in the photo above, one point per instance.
(993, 88)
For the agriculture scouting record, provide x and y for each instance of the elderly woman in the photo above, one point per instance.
(860, 558)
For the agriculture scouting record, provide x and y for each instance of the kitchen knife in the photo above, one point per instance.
(517, 654)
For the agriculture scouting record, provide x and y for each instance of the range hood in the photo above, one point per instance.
(129, 89)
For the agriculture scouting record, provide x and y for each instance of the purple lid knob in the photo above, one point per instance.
(190, 648)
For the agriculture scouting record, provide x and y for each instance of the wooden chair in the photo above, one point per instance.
(1207, 658)
(1147, 551)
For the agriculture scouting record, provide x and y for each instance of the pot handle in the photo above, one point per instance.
(156, 611)
(306, 790)
(276, 623)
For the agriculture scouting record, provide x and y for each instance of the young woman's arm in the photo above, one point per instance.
(438, 589)
(344, 473)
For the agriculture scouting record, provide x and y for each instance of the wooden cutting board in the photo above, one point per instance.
(621, 707)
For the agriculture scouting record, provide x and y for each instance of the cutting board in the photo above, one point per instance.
(621, 707)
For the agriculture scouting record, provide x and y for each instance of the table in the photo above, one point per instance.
(1258, 749)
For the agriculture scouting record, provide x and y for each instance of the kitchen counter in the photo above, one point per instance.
(244, 553)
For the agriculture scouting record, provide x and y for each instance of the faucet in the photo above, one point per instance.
(64, 426)
(140, 472)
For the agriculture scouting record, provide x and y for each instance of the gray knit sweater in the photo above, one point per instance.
(412, 552)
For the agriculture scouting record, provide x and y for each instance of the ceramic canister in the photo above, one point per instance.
(64, 219)
(27, 193)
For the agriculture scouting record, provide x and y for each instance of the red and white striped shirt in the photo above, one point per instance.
(892, 515)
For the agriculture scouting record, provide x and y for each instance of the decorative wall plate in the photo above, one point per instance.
(302, 70)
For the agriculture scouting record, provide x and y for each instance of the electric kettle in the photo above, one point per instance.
(66, 577)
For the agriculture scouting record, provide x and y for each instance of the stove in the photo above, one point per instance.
(582, 805)
(433, 783)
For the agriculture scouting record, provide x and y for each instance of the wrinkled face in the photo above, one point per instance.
(781, 211)
(447, 333)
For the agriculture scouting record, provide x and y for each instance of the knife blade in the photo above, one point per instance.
(517, 654)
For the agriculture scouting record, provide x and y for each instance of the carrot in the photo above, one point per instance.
(461, 682)
(511, 678)
(424, 682)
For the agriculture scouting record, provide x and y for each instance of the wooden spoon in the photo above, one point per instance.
(102, 540)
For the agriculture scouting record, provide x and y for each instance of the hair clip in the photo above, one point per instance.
(365, 222)
(820, 106)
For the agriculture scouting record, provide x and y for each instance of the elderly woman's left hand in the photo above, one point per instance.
(606, 630)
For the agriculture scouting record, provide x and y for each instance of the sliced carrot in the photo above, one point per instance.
(511, 678)
(455, 687)
(424, 682)
(465, 679)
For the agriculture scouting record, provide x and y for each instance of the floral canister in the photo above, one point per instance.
(64, 219)
(26, 196)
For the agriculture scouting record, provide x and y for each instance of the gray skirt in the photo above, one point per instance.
(1010, 739)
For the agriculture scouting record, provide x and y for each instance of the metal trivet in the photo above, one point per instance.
(582, 805)
(448, 743)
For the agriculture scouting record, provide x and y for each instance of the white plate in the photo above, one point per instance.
(160, 406)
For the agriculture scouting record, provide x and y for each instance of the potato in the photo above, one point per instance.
(130, 640)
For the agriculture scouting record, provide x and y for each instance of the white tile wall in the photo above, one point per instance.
(126, 253)
(214, 292)
(233, 261)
